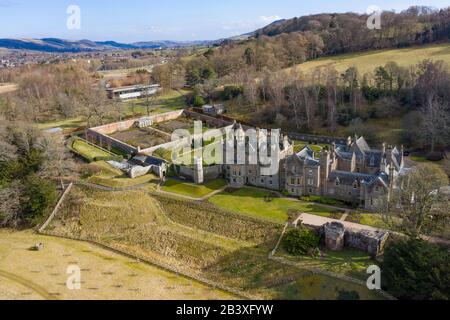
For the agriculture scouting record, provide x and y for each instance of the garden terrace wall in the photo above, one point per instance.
(105, 140)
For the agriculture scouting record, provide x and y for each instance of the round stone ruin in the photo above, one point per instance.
(334, 236)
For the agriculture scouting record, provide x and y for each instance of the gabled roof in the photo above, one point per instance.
(306, 152)
(148, 161)
(362, 145)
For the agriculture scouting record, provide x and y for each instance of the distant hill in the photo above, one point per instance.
(61, 45)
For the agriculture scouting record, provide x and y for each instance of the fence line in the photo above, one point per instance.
(56, 209)
(171, 269)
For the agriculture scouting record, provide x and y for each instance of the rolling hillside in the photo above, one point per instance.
(368, 61)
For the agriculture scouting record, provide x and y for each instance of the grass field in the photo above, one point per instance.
(169, 101)
(252, 202)
(373, 220)
(122, 73)
(66, 124)
(88, 151)
(367, 62)
(104, 275)
(300, 145)
(199, 238)
(193, 190)
(349, 262)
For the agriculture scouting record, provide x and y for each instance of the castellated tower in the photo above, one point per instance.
(198, 171)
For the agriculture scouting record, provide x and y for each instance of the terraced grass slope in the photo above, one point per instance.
(195, 238)
(368, 61)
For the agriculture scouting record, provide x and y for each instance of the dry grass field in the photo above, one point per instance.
(7, 87)
(30, 275)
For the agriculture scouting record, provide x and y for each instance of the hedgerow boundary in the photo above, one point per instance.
(217, 286)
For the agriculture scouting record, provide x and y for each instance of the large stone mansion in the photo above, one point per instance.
(354, 173)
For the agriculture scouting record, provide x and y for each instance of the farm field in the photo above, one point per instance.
(253, 202)
(104, 275)
(195, 238)
(368, 61)
(122, 73)
(193, 190)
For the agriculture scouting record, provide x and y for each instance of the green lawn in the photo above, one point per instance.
(170, 101)
(193, 190)
(252, 202)
(88, 151)
(300, 145)
(350, 262)
(63, 124)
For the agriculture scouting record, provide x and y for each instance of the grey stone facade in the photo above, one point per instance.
(352, 173)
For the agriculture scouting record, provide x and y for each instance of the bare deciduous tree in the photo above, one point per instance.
(418, 206)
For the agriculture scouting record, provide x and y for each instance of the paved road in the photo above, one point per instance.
(313, 220)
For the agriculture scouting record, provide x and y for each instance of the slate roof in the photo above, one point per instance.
(304, 157)
(148, 161)
(349, 178)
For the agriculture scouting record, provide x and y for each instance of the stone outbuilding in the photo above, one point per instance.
(334, 236)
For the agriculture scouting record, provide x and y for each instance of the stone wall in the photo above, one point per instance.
(370, 241)
(316, 139)
(106, 142)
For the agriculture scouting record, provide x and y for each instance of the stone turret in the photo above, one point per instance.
(334, 236)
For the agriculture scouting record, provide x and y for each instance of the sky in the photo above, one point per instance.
(182, 20)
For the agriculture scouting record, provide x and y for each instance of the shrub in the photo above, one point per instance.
(89, 170)
(39, 197)
(109, 158)
(323, 200)
(417, 270)
(231, 92)
(300, 241)
(198, 101)
(348, 295)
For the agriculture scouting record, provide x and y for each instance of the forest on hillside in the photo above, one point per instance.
(248, 75)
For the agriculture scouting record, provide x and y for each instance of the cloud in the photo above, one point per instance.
(7, 3)
(270, 19)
